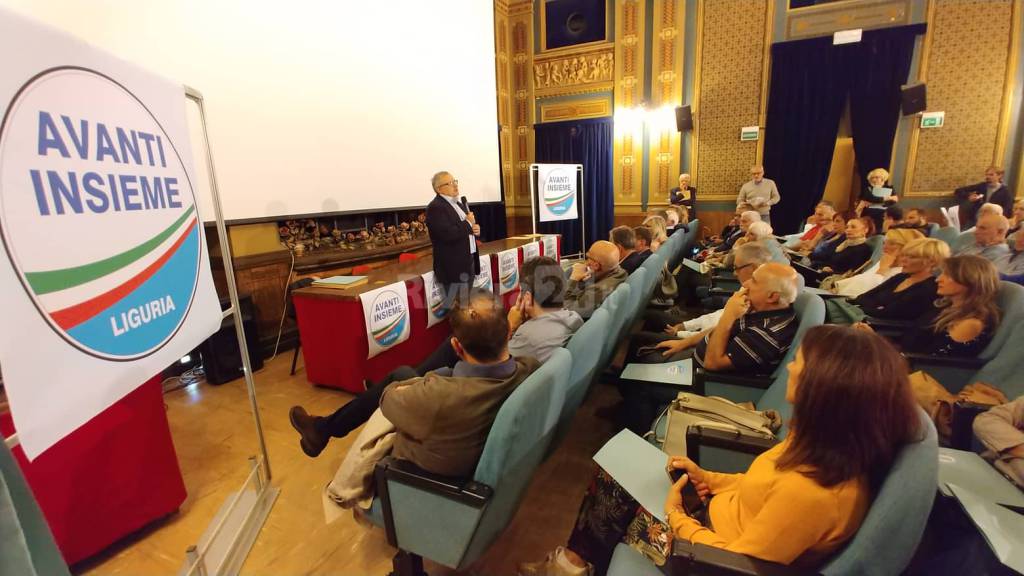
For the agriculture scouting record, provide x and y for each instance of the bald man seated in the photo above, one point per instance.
(591, 283)
(754, 332)
(989, 238)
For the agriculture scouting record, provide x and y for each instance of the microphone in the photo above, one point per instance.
(464, 204)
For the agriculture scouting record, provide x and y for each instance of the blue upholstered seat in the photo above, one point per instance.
(810, 311)
(884, 544)
(617, 305)
(947, 234)
(452, 522)
(1001, 363)
(587, 349)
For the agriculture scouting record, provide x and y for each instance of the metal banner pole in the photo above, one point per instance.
(583, 210)
(229, 273)
(224, 545)
(533, 199)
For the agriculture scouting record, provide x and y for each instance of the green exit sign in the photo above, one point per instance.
(933, 119)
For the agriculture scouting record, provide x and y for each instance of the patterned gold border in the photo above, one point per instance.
(824, 19)
(668, 40)
(766, 71)
(630, 18)
(915, 128)
(521, 34)
(568, 49)
(576, 110)
(1008, 85)
(695, 107)
(502, 72)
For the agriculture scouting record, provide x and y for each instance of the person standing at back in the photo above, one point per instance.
(759, 192)
(991, 190)
(453, 234)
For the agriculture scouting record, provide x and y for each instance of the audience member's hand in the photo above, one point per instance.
(674, 499)
(671, 347)
(695, 473)
(863, 327)
(579, 272)
(671, 329)
(476, 229)
(827, 269)
(894, 199)
(975, 197)
(738, 304)
(515, 314)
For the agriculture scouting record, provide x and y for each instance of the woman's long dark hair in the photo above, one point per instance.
(853, 409)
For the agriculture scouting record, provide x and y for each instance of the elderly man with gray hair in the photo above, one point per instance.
(759, 192)
(753, 333)
(989, 238)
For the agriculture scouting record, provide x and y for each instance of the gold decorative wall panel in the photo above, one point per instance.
(502, 63)
(825, 19)
(520, 16)
(965, 63)
(731, 72)
(578, 72)
(576, 110)
(666, 94)
(629, 91)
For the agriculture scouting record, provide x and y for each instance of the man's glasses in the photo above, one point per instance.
(453, 182)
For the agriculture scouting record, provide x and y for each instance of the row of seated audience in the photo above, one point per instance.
(803, 499)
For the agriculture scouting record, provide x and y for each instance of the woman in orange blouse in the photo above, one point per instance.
(803, 499)
(800, 501)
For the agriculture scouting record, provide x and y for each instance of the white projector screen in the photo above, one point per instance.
(317, 106)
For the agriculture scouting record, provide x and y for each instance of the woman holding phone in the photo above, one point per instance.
(800, 501)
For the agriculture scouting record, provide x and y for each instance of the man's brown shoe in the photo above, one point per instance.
(312, 442)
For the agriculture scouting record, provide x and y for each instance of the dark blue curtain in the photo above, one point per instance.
(810, 82)
(880, 68)
(586, 142)
(491, 217)
(807, 91)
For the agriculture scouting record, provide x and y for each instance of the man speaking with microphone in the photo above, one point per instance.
(453, 233)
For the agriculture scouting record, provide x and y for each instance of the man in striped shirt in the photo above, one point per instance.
(757, 325)
(754, 332)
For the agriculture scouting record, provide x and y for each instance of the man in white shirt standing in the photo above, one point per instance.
(759, 192)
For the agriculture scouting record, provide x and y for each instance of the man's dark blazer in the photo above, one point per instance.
(969, 210)
(453, 262)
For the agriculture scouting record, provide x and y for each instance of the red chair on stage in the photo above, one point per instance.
(407, 257)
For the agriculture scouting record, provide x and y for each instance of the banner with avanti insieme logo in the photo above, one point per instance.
(104, 274)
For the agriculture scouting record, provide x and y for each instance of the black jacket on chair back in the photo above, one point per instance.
(453, 262)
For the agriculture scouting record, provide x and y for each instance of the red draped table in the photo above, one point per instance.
(333, 333)
(110, 477)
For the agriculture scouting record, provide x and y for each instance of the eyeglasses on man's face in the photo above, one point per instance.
(453, 183)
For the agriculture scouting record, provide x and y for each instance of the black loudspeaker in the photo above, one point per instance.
(573, 22)
(912, 99)
(684, 118)
(222, 360)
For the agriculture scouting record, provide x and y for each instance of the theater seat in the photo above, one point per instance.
(616, 304)
(587, 348)
(1001, 363)
(453, 522)
(884, 544)
(947, 234)
(810, 311)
